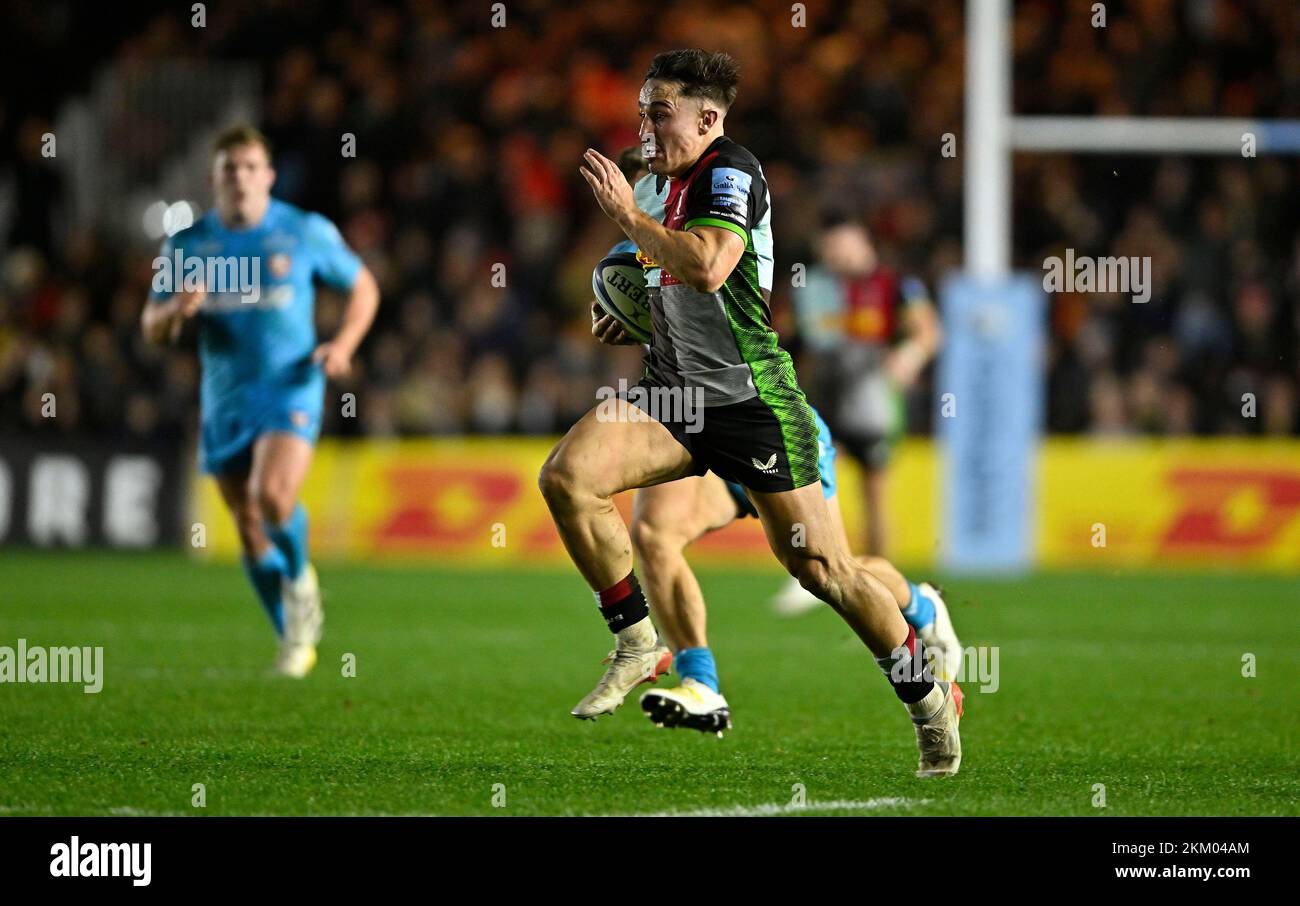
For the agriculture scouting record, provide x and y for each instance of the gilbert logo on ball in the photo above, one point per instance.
(620, 287)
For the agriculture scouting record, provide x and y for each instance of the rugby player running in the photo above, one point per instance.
(669, 517)
(712, 334)
(263, 371)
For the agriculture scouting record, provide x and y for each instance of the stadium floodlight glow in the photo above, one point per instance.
(153, 219)
(178, 216)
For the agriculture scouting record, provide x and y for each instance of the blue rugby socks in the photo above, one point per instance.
(697, 664)
(291, 540)
(266, 574)
(919, 612)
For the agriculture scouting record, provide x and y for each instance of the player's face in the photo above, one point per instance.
(242, 178)
(673, 127)
(847, 250)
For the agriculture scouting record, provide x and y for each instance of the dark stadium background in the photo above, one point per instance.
(1156, 674)
(468, 146)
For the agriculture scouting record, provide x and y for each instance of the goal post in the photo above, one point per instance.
(990, 386)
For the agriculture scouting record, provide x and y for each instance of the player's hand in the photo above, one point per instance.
(189, 302)
(904, 364)
(335, 359)
(605, 327)
(185, 305)
(608, 184)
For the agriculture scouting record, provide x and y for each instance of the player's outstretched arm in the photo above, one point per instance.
(335, 356)
(924, 336)
(162, 322)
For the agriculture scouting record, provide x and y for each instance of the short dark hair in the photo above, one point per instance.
(838, 216)
(705, 75)
(631, 161)
(239, 135)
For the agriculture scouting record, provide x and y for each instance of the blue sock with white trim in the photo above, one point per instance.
(697, 664)
(919, 612)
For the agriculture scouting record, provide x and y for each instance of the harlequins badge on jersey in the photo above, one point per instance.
(280, 264)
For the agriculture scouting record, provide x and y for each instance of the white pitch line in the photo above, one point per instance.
(773, 809)
(130, 811)
(763, 810)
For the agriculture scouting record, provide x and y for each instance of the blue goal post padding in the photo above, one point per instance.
(989, 395)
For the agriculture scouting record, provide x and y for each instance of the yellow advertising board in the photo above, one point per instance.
(1179, 503)
(474, 501)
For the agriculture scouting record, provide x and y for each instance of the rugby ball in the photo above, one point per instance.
(620, 288)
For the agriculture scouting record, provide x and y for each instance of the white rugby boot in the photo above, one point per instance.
(940, 637)
(303, 619)
(794, 600)
(692, 704)
(637, 658)
(936, 718)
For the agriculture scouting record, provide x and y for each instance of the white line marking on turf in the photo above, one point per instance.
(773, 809)
(130, 811)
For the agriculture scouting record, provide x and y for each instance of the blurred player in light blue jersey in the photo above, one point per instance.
(667, 518)
(246, 273)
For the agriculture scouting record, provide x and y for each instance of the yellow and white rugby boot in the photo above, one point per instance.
(692, 704)
(637, 658)
(940, 637)
(303, 619)
(936, 718)
(794, 600)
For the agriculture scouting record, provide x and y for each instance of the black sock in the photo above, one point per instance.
(623, 604)
(904, 667)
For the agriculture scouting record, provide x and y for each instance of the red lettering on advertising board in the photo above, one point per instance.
(1205, 523)
(428, 498)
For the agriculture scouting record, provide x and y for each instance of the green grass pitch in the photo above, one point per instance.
(464, 681)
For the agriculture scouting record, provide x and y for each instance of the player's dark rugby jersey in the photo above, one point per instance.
(722, 342)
